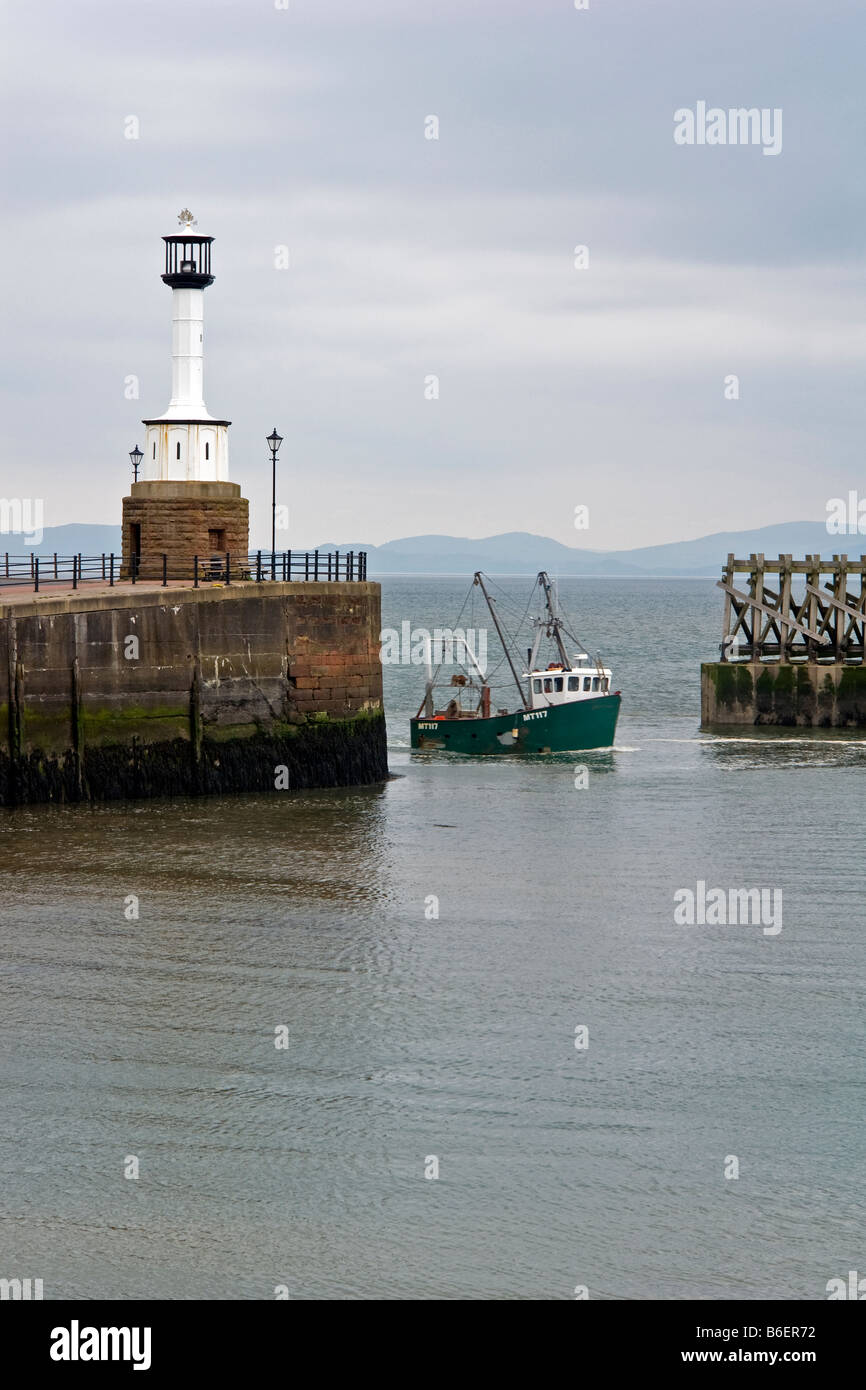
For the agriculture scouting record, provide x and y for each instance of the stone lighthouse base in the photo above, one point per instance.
(180, 521)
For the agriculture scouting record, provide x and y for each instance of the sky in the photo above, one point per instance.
(302, 124)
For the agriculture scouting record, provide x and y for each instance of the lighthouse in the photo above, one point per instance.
(184, 505)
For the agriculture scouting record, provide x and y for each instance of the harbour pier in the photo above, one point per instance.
(792, 649)
(139, 690)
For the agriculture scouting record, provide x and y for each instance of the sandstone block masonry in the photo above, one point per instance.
(182, 520)
(161, 691)
(802, 694)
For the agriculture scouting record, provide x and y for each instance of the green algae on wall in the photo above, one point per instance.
(331, 753)
(851, 695)
(783, 693)
(732, 682)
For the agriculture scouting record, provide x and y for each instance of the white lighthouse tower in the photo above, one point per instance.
(187, 444)
(184, 506)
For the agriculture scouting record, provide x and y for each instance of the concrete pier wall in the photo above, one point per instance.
(807, 694)
(162, 691)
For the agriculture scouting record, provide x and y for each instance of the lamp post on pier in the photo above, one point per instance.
(135, 457)
(274, 442)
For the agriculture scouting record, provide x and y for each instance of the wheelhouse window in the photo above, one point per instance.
(557, 684)
(574, 682)
(536, 686)
(605, 684)
(548, 686)
(596, 682)
(586, 682)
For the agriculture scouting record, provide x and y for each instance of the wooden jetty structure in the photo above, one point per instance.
(793, 643)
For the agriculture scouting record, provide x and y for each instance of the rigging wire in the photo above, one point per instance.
(512, 634)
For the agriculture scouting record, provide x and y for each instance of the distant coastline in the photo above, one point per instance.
(514, 553)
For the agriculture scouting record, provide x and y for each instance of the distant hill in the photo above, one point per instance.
(706, 554)
(517, 552)
(75, 539)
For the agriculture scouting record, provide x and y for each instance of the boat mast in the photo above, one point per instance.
(428, 689)
(544, 581)
(479, 580)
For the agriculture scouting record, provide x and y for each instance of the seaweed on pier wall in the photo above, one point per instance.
(792, 695)
(851, 696)
(321, 753)
(805, 696)
(723, 676)
(732, 681)
(784, 695)
(826, 702)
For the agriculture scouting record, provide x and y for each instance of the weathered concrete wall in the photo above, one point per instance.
(184, 690)
(796, 694)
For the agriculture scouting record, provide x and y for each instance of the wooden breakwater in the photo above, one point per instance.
(792, 649)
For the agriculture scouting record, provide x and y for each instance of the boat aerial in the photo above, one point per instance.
(565, 706)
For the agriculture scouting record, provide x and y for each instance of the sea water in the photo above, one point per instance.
(444, 1038)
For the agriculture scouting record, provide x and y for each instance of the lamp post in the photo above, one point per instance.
(135, 457)
(274, 442)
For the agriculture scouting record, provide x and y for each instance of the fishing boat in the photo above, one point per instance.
(565, 706)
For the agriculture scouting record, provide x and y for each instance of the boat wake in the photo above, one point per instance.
(808, 736)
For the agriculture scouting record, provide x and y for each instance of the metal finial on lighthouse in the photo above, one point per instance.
(187, 256)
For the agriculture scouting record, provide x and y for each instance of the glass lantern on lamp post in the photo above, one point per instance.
(274, 442)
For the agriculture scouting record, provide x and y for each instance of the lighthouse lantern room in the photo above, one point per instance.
(184, 504)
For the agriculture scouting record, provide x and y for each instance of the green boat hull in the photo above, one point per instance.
(569, 728)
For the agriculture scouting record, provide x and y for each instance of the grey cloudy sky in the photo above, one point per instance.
(409, 257)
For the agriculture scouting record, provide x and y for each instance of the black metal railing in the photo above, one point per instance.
(257, 566)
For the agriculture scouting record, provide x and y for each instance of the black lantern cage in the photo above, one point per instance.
(187, 261)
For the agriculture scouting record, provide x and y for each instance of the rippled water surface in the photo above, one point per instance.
(411, 1036)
